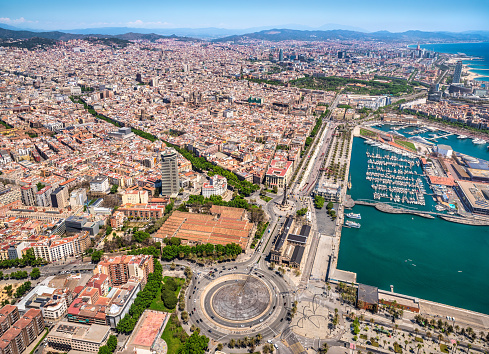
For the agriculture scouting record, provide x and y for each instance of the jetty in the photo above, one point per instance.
(387, 208)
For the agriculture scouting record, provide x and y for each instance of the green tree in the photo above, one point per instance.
(36, 273)
(97, 256)
(112, 343)
(171, 284)
(114, 188)
(169, 298)
(195, 344)
(301, 212)
(104, 350)
(40, 186)
(141, 236)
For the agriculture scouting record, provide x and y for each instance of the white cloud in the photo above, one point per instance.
(139, 23)
(10, 21)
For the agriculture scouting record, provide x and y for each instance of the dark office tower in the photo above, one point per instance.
(457, 73)
(281, 55)
(341, 55)
(170, 184)
(138, 77)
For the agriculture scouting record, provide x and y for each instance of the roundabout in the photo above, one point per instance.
(242, 299)
(239, 303)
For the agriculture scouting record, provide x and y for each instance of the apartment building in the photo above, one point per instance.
(121, 268)
(78, 197)
(9, 314)
(217, 185)
(66, 336)
(146, 211)
(59, 197)
(22, 333)
(28, 195)
(43, 197)
(278, 173)
(135, 197)
(92, 308)
(100, 184)
(56, 249)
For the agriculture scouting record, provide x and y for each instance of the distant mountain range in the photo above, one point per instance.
(408, 36)
(8, 34)
(127, 34)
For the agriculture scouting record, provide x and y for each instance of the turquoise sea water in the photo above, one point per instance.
(480, 50)
(428, 258)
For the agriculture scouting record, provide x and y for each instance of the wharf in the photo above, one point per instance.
(386, 208)
(466, 220)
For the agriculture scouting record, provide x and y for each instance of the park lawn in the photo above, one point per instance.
(157, 304)
(174, 343)
(366, 132)
(265, 198)
(418, 339)
(374, 343)
(443, 348)
(363, 336)
(406, 144)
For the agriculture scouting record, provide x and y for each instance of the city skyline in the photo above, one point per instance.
(383, 15)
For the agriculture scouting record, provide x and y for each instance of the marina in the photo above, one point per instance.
(440, 249)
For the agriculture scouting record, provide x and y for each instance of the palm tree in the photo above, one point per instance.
(419, 347)
(324, 349)
(259, 337)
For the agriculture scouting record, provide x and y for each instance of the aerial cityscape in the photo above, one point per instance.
(261, 177)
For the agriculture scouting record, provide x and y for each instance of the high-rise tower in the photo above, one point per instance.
(457, 73)
(170, 184)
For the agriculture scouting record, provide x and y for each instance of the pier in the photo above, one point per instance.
(387, 208)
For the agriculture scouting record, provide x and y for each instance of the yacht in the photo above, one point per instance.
(462, 137)
(352, 224)
(353, 216)
(478, 141)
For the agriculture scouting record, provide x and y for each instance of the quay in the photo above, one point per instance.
(386, 208)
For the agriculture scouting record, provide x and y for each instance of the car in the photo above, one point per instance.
(195, 300)
(189, 296)
(261, 320)
(269, 341)
(276, 346)
(242, 325)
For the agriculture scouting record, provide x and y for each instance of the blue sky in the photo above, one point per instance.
(372, 15)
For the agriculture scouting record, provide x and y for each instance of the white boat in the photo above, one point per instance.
(478, 141)
(462, 137)
(353, 216)
(352, 224)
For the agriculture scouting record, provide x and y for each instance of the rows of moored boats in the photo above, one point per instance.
(393, 175)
